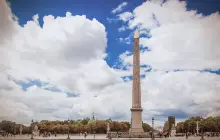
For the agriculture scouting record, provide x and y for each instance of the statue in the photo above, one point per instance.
(36, 131)
(108, 132)
(20, 129)
(173, 131)
(108, 128)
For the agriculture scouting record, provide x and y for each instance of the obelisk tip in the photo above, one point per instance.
(136, 34)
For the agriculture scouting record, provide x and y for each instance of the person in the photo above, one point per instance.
(85, 134)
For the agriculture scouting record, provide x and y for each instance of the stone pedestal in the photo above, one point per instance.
(20, 129)
(136, 120)
(129, 135)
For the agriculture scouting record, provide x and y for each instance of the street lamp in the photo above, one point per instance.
(94, 130)
(187, 130)
(152, 128)
(32, 135)
(202, 137)
(68, 130)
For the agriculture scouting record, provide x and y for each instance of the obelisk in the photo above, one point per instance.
(136, 110)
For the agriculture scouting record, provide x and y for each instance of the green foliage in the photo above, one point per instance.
(166, 126)
(210, 124)
(109, 120)
(76, 126)
(85, 121)
(180, 127)
(146, 127)
(12, 127)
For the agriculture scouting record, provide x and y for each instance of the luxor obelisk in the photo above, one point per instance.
(136, 110)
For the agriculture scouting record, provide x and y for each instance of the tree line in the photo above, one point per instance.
(210, 124)
(74, 126)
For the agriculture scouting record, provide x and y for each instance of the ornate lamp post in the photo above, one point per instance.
(32, 133)
(94, 133)
(188, 130)
(68, 129)
(93, 125)
(152, 128)
(202, 137)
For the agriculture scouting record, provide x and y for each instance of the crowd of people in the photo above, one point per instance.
(5, 134)
(44, 134)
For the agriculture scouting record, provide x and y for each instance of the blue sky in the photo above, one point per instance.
(179, 53)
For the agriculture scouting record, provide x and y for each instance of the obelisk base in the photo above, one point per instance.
(139, 135)
(136, 120)
(129, 135)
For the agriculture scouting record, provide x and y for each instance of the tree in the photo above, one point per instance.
(180, 127)
(109, 120)
(8, 126)
(146, 127)
(166, 126)
(85, 121)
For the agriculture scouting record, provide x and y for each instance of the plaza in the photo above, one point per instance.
(99, 136)
(142, 69)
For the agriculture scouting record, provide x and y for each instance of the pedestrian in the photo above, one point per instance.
(85, 134)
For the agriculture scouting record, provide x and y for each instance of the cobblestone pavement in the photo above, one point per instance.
(102, 136)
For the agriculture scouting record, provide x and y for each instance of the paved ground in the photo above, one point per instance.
(62, 137)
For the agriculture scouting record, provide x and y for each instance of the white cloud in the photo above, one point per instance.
(125, 16)
(6, 24)
(180, 39)
(126, 40)
(119, 8)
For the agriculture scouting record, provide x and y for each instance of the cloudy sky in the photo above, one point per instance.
(67, 59)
